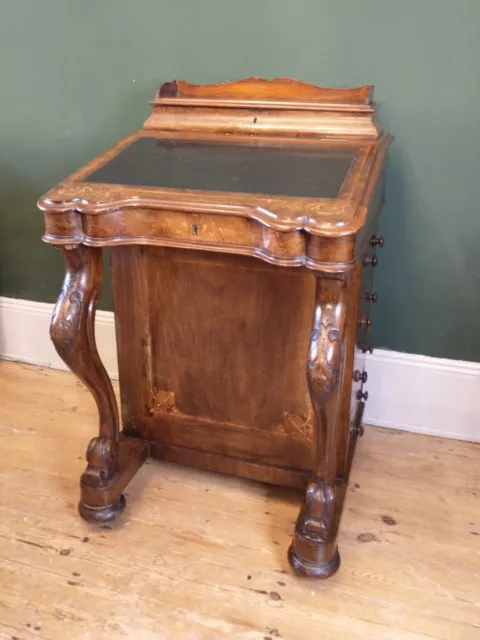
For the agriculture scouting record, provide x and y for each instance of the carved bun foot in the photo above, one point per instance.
(102, 514)
(320, 569)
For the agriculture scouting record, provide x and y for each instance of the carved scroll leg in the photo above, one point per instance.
(112, 461)
(314, 550)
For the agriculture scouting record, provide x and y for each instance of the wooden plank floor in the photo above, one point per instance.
(202, 556)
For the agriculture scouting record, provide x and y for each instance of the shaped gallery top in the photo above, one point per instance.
(287, 154)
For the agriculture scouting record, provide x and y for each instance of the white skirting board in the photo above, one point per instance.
(416, 393)
(25, 335)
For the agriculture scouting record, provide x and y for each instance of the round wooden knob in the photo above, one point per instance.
(367, 348)
(365, 322)
(360, 376)
(357, 430)
(371, 297)
(362, 396)
(377, 241)
(370, 261)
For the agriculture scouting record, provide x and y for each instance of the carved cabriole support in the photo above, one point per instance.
(73, 334)
(314, 551)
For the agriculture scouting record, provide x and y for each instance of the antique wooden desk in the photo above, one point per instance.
(241, 225)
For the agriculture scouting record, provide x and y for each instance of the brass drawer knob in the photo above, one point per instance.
(377, 241)
(370, 261)
(371, 297)
(367, 348)
(360, 376)
(365, 322)
(362, 396)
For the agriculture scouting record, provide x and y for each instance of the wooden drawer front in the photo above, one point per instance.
(364, 305)
(357, 385)
(213, 232)
(368, 296)
(363, 339)
(149, 224)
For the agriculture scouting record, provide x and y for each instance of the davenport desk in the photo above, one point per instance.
(240, 223)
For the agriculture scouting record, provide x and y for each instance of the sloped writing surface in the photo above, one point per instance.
(314, 172)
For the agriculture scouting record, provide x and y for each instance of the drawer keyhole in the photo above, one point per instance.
(195, 229)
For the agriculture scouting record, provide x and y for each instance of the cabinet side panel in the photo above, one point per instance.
(212, 353)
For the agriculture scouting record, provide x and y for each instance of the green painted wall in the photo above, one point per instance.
(76, 76)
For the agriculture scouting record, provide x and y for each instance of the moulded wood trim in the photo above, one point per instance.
(262, 104)
(266, 256)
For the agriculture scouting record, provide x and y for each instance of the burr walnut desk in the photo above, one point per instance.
(240, 223)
